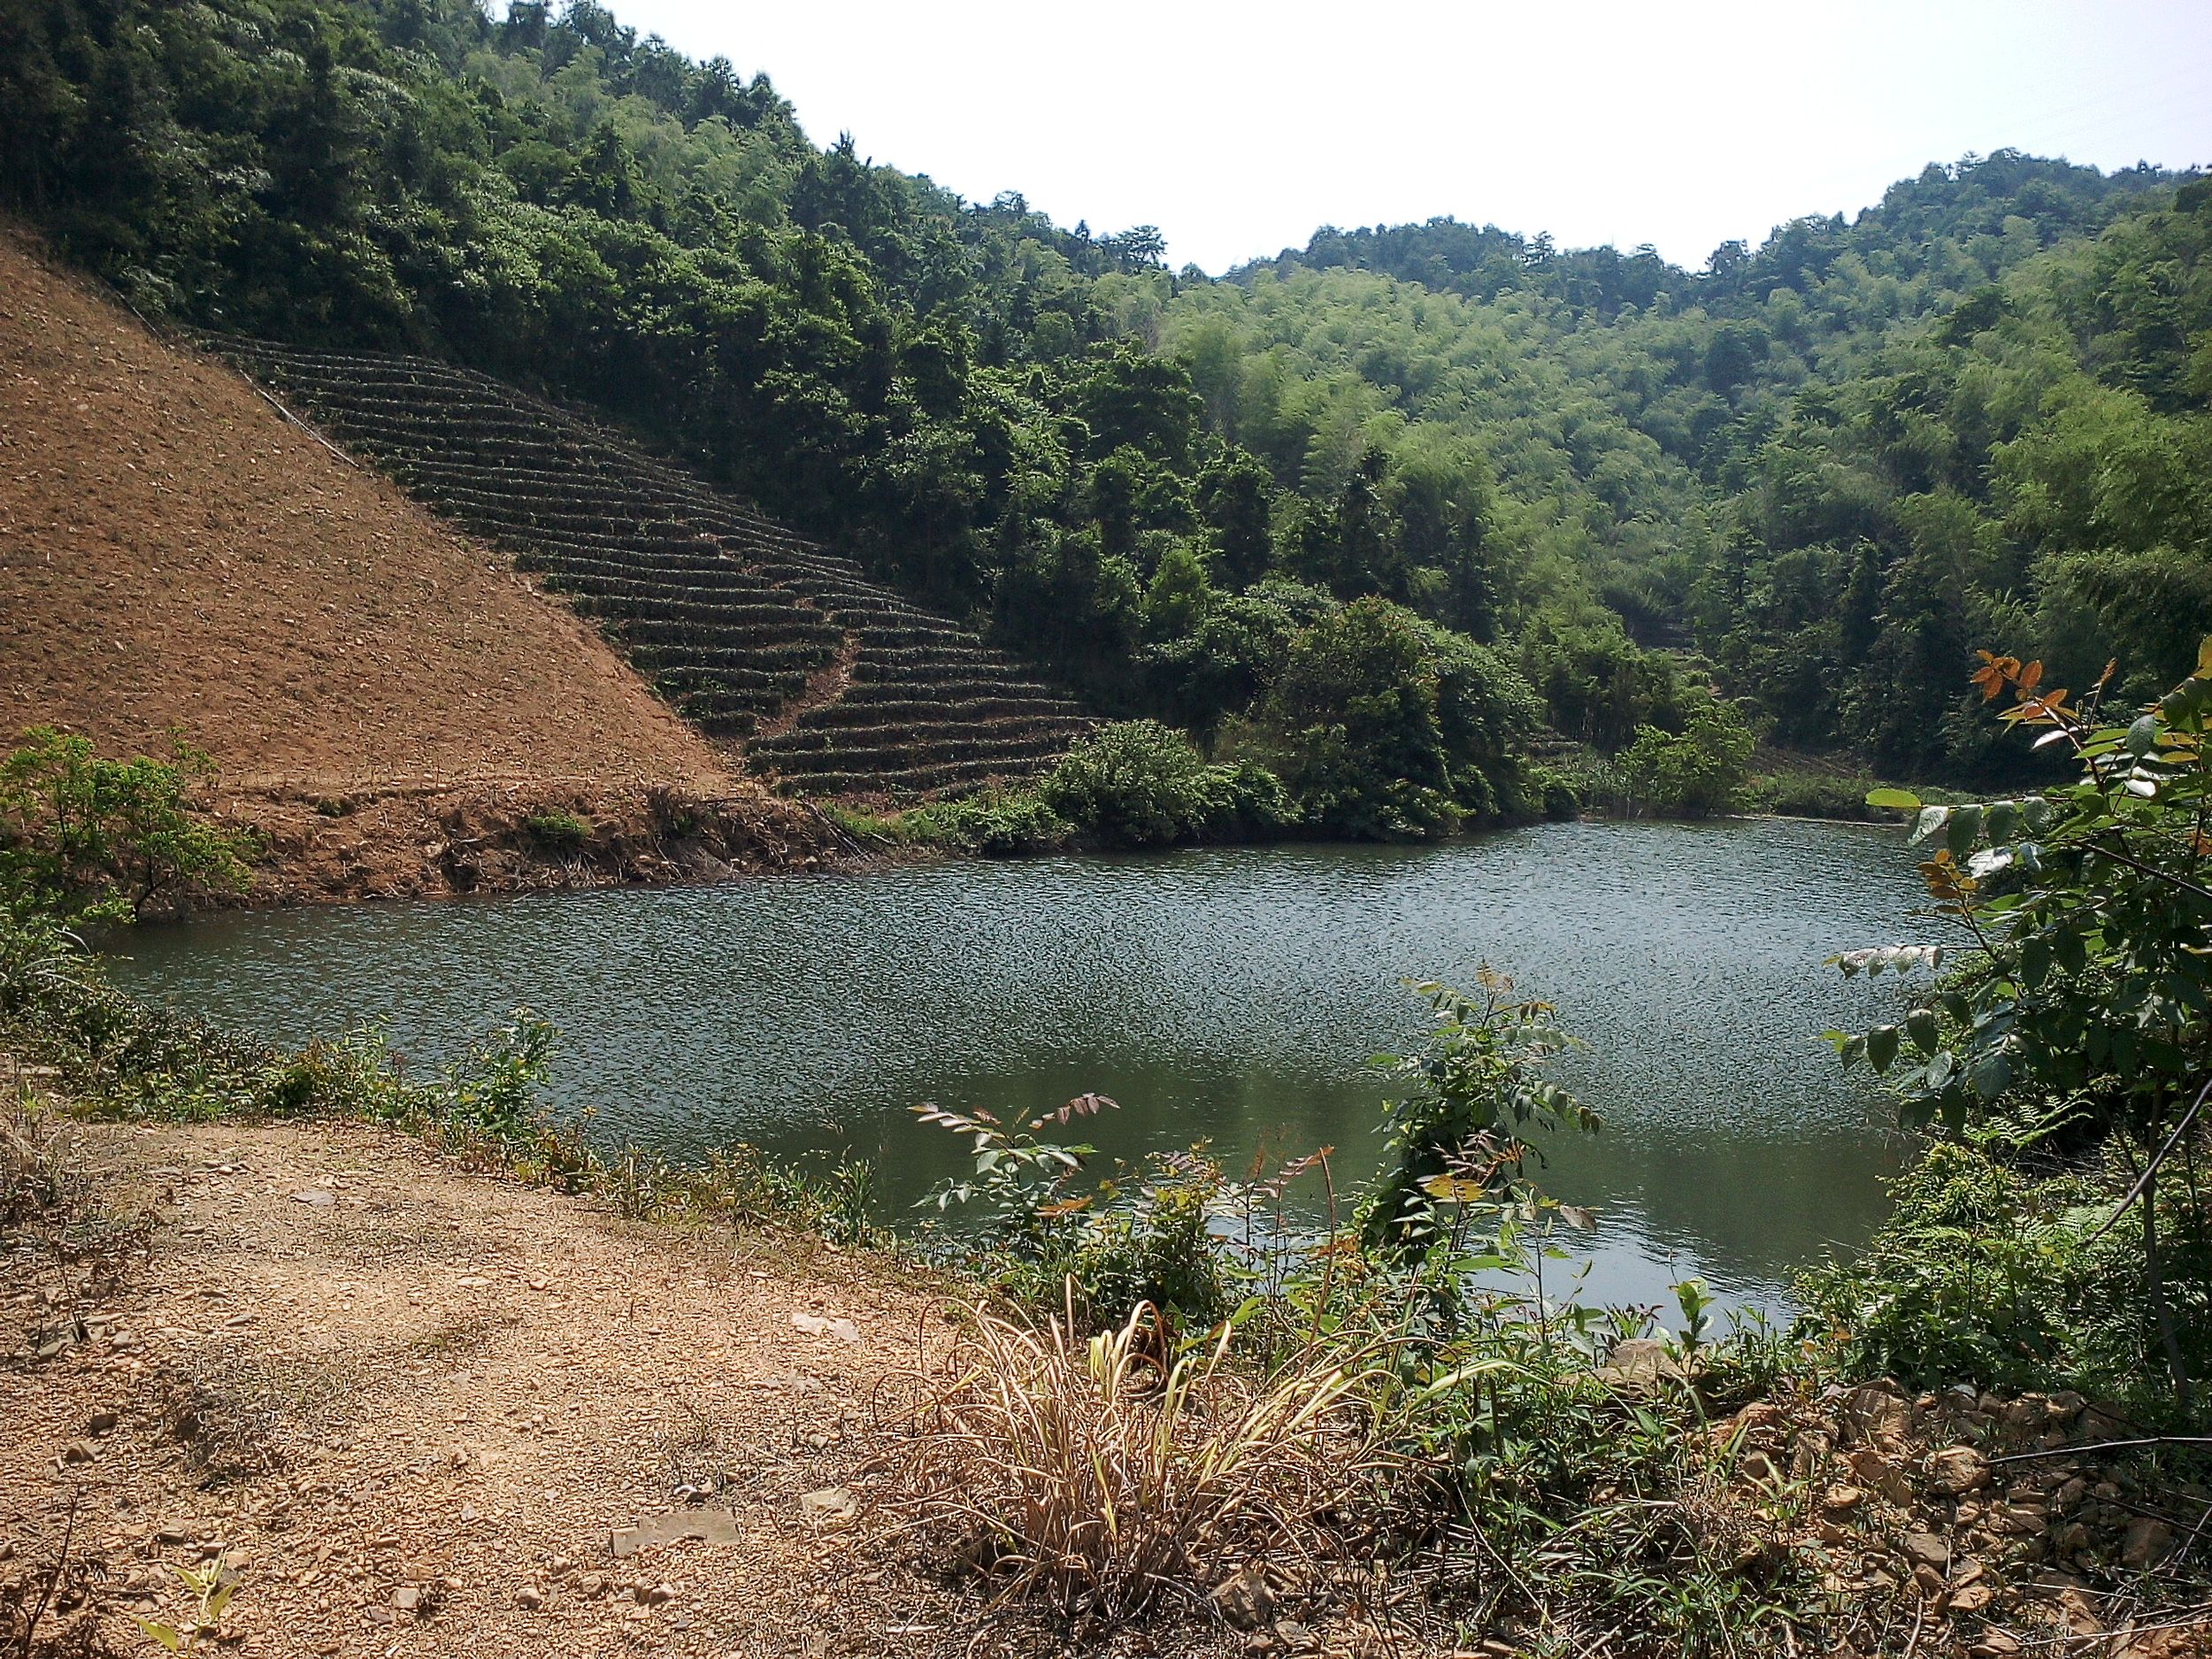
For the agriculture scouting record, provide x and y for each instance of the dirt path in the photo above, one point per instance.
(413, 1406)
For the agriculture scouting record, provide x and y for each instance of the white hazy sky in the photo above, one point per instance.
(1237, 129)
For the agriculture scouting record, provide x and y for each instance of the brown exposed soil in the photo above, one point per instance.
(175, 555)
(411, 1407)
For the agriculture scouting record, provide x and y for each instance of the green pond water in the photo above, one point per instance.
(1233, 994)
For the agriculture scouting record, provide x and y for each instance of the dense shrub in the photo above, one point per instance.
(1137, 783)
(1985, 1273)
(997, 823)
(109, 840)
(1386, 728)
(1703, 769)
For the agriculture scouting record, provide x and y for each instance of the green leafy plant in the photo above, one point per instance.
(1702, 769)
(2076, 1006)
(558, 832)
(1469, 1096)
(207, 1594)
(107, 840)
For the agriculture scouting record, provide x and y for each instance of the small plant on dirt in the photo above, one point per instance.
(558, 832)
(36, 1176)
(206, 1594)
(1104, 1473)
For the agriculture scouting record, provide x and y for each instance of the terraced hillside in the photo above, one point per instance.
(831, 683)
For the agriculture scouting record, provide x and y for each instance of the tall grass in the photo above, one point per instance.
(1104, 1474)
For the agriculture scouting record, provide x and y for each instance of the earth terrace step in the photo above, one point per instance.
(947, 689)
(915, 780)
(650, 607)
(844, 714)
(436, 476)
(645, 545)
(719, 645)
(892, 662)
(652, 541)
(701, 662)
(978, 743)
(890, 749)
(737, 723)
(675, 595)
(698, 700)
(482, 508)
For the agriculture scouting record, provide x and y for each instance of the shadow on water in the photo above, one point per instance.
(1230, 994)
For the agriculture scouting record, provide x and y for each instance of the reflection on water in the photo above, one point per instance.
(1235, 995)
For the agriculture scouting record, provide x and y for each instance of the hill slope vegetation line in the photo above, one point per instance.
(753, 633)
(174, 556)
(1975, 415)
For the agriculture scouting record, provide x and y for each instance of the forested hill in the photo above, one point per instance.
(1974, 415)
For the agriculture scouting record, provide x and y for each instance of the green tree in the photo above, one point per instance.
(107, 840)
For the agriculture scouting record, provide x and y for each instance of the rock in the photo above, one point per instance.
(1757, 1466)
(1876, 1414)
(317, 1197)
(1995, 1644)
(1294, 1636)
(830, 1507)
(2146, 1542)
(592, 1585)
(657, 1595)
(408, 1599)
(1926, 1549)
(2081, 1618)
(1245, 1599)
(716, 1526)
(1972, 1598)
(2065, 1405)
(1639, 1362)
(814, 1325)
(529, 1598)
(1809, 1455)
(77, 1452)
(1878, 1473)
(174, 1533)
(1840, 1499)
(101, 1421)
(1957, 1470)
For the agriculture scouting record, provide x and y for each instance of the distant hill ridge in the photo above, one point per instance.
(828, 682)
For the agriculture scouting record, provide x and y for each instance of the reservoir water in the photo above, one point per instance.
(1234, 995)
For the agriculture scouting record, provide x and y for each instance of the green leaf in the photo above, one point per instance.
(2143, 736)
(1993, 1075)
(1900, 800)
(1881, 1046)
(1931, 818)
(2073, 951)
(2035, 963)
(2003, 822)
(1964, 830)
(1923, 1027)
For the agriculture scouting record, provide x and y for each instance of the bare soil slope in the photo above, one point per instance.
(173, 552)
(414, 1409)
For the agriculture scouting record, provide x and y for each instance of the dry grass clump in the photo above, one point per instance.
(1082, 1472)
(38, 1174)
